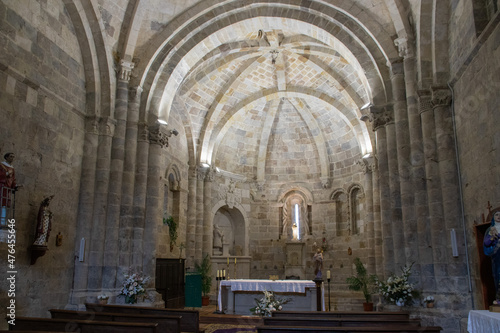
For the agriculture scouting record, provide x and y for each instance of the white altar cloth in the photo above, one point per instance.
(303, 292)
(483, 321)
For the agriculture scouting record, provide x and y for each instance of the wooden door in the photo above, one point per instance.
(170, 281)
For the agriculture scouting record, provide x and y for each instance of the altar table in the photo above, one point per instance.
(483, 321)
(238, 296)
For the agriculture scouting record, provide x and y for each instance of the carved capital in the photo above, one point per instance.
(424, 101)
(143, 132)
(135, 92)
(107, 126)
(441, 96)
(381, 116)
(125, 70)
(325, 182)
(405, 47)
(158, 134)
(92, 125)
(201, 173)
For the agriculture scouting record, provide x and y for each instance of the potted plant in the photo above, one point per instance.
(103, 299)
(429, 301)
(205, 271)
(363, 282)
(398, 289)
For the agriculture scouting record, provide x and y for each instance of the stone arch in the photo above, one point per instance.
(372, 54)
(340, 204)
(242, 225)
(98, 65)
(289, 197)
(356, 208)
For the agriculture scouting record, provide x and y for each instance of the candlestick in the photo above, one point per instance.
(235, 260)
(327, 274)
(228, 260)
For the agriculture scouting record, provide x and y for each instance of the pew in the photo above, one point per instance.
(166, 324)
(399, 315)
(82, 326)
(337, 322)
(190, 319)
(315, 329)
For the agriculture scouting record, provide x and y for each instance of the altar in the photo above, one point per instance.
(483, 321)
(238, 296)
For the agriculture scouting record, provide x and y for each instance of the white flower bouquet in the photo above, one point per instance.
(397, 289)
(134, 285)
(102, 297)
(428, 299)
(268, 304)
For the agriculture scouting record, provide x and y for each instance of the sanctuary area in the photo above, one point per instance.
(147, 141)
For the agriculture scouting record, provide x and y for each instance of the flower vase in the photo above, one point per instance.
(103, 301)
(131, 299)
(430, 304)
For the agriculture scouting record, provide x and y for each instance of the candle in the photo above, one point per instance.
(235, 261)
(228, 260)
(327, 274)
(224, 273)
(218, 274)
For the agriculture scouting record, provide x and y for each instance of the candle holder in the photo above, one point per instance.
(228, 272)
(329, 306)
(234, 270)
(218, 279)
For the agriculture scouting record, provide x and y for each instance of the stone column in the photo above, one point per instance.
(395, 193)
(191, 217)
(199, 213)
(207, 213)
(435, 230)
(158, 139)
(379, 262)
(134, 233)
(86, 207)
(98, 236)
(420, 210)
(367, 164)
(408, 221)
(116, 173)
(128, 179)
(380, 118)
(448, 171)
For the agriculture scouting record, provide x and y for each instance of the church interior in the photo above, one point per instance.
(149, 135)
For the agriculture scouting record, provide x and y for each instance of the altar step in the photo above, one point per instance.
(208, 316)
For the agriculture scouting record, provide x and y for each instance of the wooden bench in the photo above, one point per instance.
(338, 322)
(166, 324)
(400, 315)
(313, 329)
(190, 319)
(82, 326)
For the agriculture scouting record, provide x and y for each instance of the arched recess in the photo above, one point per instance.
(340, 206)
(356, 209)
(234, 224)
(171, 198)
(295, 213)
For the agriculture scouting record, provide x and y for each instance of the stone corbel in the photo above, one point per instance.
(424, 101)
(125, 71)
(441, 96)
(405, 47)
(325, 182)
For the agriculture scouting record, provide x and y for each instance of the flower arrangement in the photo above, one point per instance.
(428, 299)
(133, 285)
(397, 289)
(102, 297)
(268, 304)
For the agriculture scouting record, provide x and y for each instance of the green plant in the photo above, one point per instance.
(267, 304)
(172, 229)
(362, 281)
(205, 270)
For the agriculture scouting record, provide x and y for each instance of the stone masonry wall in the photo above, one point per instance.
(477, 118)
(42, 94)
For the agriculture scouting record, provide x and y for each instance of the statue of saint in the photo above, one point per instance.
(7, 186)
(318, 260)
(218, 237)
(44, 222)
(491, 246)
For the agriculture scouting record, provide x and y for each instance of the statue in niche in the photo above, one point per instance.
(318, 261)
(44, 222)
(218, 238)
(491, 246)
